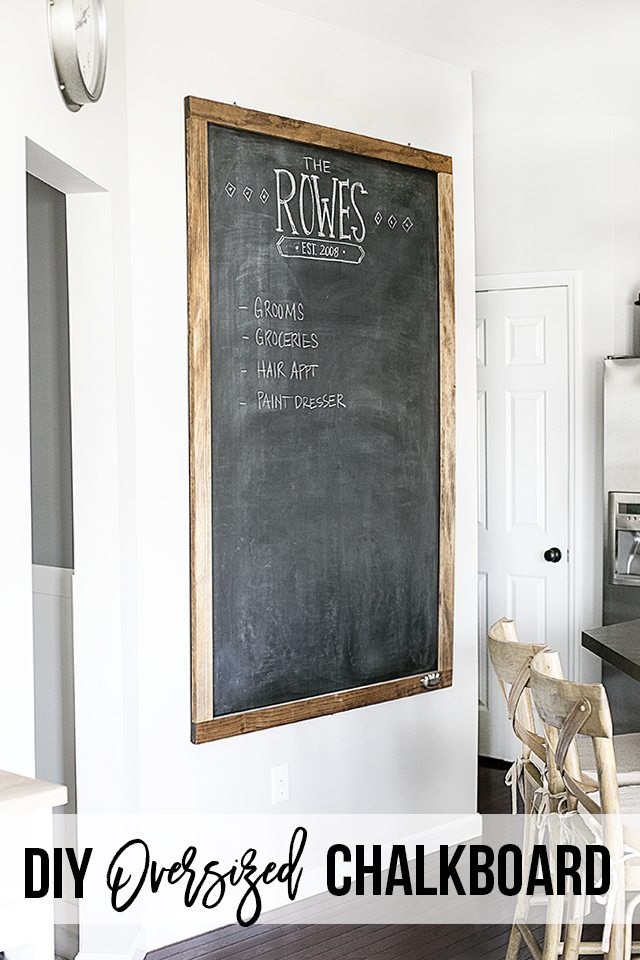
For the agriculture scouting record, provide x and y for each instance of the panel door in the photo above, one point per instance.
(523, 481)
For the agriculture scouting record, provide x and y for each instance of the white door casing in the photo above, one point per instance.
(524, 458)
(104, 558)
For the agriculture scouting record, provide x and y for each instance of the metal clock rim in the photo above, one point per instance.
(74, 90)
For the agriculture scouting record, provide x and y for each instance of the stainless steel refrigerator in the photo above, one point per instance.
(621, 594)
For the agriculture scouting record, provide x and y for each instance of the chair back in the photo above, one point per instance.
(568, 709)
(511, 662)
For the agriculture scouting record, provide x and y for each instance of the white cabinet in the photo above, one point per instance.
(26, 926)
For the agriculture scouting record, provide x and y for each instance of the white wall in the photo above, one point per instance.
(415, 755)
(566, 196)
(85, 155)
(94, 143)
(626, 233)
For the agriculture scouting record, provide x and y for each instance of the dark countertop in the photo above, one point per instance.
(618, 645)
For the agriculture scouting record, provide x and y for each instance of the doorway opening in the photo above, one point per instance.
(93, 738)
(52, 507)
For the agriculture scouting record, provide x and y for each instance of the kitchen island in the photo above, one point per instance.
(618, 646)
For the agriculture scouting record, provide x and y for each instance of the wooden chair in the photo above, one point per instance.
(569, 709)
(508, 658)
(511, 662)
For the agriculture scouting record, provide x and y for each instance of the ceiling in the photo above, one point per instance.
(538, 59)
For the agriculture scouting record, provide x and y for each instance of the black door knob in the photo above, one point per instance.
(553, 555)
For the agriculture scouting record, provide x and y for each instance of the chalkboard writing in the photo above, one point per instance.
(325, 393)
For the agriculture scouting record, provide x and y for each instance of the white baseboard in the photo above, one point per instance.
(465, 827)
(128, 943)
(66, 941)
(137, 952)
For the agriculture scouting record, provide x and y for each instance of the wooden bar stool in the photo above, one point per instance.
(512, 662)
(506, 662)
(568, 710)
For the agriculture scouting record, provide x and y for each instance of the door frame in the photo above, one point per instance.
(106, 726)
(571, 280)
(100, 737)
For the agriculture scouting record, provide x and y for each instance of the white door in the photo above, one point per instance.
(523, 488)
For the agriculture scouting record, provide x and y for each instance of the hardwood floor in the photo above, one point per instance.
(493, 795)
(347, 942)
(365, 941)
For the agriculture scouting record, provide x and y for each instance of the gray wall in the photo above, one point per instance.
(51, 491)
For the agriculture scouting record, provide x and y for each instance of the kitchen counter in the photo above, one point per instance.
(618, 645)
(26, 925)
(21, 794)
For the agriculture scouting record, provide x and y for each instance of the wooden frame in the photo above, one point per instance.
(199, 113)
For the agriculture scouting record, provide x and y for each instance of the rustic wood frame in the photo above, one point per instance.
(205, 726)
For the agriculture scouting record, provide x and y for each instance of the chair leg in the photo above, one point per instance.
(553, 930)
(520, 915)
(616, 943)
(555, 905)
(572, 941)
(522, 902)
(513, 946)
(618, 939)
(573, 930)
(629, 945)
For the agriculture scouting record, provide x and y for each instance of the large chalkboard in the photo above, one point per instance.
(321, 355)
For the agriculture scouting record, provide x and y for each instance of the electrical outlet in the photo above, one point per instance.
(279, 783)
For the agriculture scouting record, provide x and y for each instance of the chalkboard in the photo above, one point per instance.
(321, 413)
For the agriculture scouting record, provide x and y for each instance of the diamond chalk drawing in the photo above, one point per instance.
(407, 223)
(392, 221)
(247, 193)
(378, 218)
(230, 189)
(264, 195)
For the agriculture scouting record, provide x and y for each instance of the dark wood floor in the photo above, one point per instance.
(361, 942)
(345, 942)
(493, 794)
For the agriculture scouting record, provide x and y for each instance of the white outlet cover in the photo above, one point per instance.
(280, 783)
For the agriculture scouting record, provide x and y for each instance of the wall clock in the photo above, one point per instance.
(78, 35)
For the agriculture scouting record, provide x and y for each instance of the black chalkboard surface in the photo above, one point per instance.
(324, 467)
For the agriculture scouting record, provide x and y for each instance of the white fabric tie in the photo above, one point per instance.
(608, 899)
(513, 779)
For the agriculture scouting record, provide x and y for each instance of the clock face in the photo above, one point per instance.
(85, 21)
